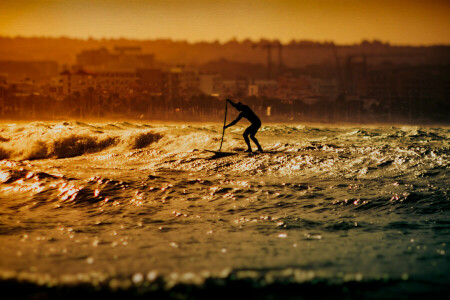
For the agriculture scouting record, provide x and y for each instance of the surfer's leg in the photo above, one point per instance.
(252, 136)
(256, 142)
(247, 141)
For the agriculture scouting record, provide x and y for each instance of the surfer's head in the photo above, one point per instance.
(239, 106)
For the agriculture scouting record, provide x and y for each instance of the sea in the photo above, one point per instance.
(142, 210)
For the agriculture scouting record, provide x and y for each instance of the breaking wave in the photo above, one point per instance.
(40, 140)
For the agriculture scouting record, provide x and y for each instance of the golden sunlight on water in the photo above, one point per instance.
(328, 207)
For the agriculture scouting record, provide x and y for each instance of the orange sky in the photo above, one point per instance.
(343, 21)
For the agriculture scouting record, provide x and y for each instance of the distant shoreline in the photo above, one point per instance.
(278, 120)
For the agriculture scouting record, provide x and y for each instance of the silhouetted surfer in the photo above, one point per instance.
(247, 112)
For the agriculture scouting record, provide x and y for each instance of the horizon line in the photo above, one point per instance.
(225, 41)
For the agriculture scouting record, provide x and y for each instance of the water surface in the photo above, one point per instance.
(132, 207)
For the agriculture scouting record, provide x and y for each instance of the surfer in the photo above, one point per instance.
(247, 112)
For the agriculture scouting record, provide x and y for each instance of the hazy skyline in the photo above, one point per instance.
(348, 21)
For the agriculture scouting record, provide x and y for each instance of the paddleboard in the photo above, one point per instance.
(228, 153)
(224, 152)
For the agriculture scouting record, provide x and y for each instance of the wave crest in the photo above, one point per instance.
(65, 146)
(142, 140)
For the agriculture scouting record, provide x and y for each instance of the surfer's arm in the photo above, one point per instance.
(232, 103)
(235, 121)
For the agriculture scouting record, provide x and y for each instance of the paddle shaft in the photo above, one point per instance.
(224, 123)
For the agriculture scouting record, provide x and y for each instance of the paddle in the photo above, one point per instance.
(224, 123)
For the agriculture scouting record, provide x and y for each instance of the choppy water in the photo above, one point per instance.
(131, 207)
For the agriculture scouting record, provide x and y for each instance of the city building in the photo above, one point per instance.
(119, 58)
(263, 88)
(210, 84)
(171, 85)
(150, 80)
(189, 80)
(327, 88)
(234, 88)
(115, 81)
(381, 84)
(81, 81)
(291, 87)
(39, 71)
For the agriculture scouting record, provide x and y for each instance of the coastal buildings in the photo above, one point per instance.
(123, 76)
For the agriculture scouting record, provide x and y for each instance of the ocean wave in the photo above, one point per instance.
(419, 134)
(4, 153)
(142, 140)
(361, 132)
(41, 141)
(414, 134)
(60, 147)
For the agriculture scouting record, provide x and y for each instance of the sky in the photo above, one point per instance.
(413, 22)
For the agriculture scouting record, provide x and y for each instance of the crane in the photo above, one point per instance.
(268, 46)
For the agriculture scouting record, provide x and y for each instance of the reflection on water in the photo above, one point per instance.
(125, 205)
